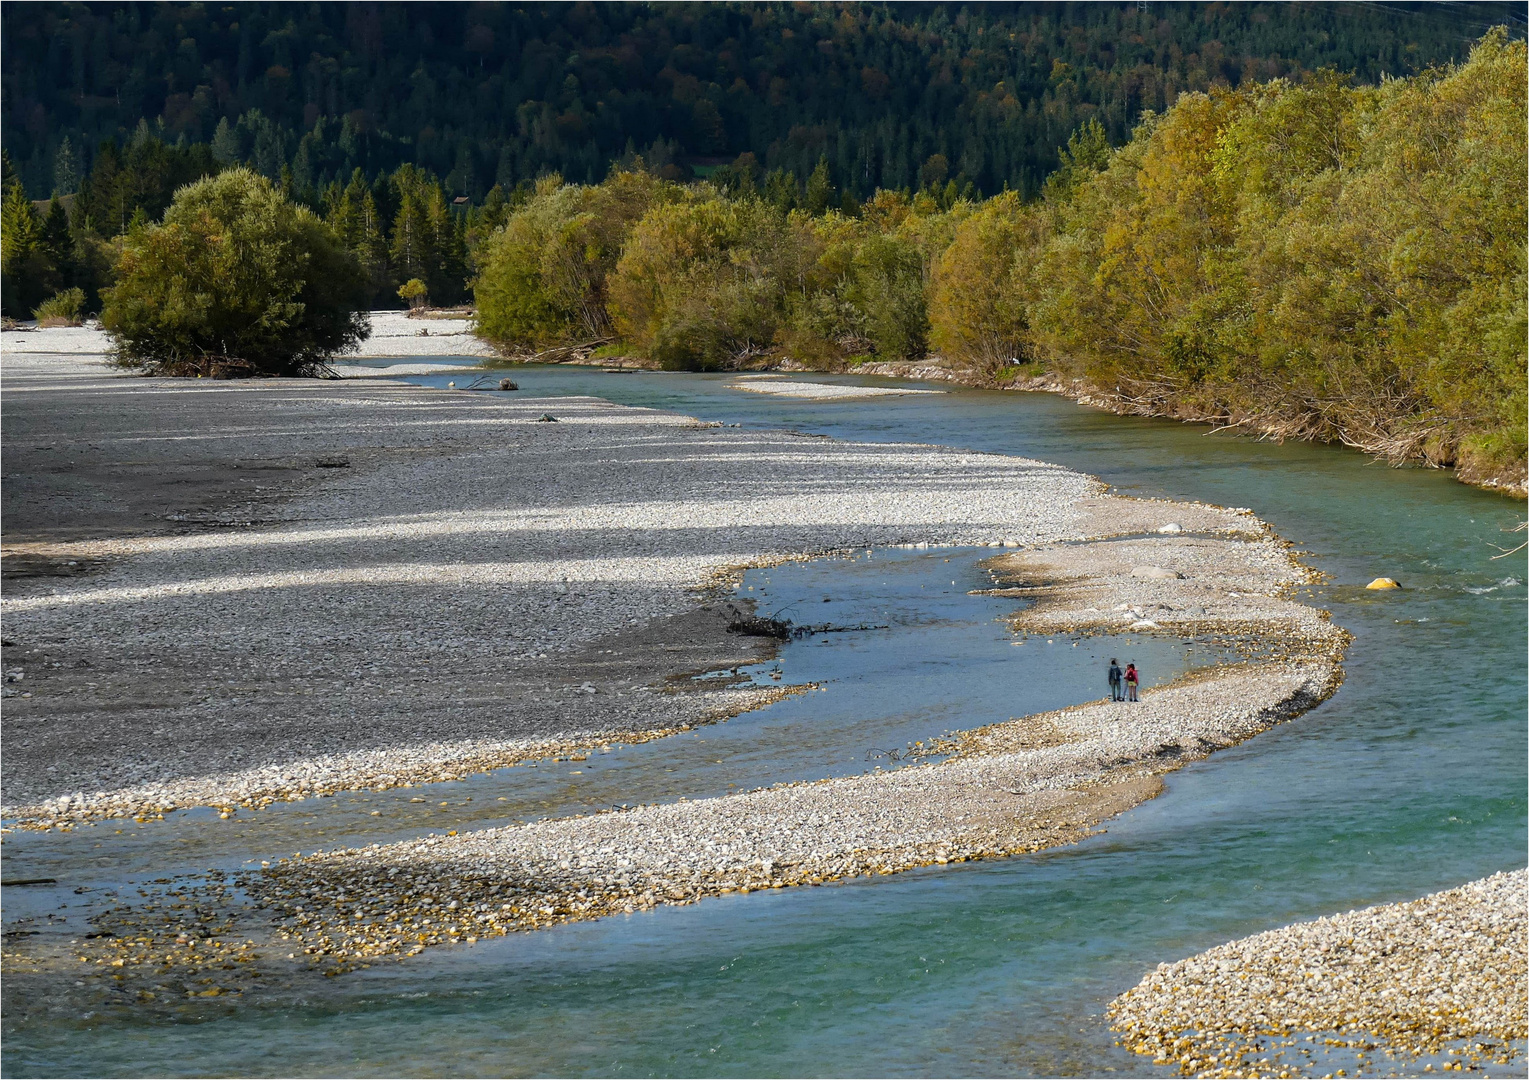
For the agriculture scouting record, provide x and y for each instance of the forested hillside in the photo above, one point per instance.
(1318, 260)
(495, 93)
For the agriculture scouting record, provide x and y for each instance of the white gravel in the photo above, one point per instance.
(1216, 571)
(405, 620)
(393, 334)
(780, 386)
(1010, 788)
(1445, 974)
(87, 340)
(393, 371)
(384, 610)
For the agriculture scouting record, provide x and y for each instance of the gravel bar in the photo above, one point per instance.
(394, 333)
(780, 386)
(1445, 975)
(429, 583)
(411, 582)
(1007, 789)
(1169, 568)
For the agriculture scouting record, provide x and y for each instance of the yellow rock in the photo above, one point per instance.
(1383, 583)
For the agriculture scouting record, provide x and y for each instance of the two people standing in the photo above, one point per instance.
(1126, 679)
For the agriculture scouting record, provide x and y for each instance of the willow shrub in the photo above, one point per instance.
(981, 288)
(703, 284)
(864, 295)
(542, 278)
(236, 278)
(64, 308)
(1313, 260)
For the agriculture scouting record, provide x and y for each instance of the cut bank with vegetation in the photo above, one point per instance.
(1312, 260)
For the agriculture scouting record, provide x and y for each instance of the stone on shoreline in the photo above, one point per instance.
(1155, 573)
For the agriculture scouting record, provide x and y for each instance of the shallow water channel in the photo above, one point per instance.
(1412, 778)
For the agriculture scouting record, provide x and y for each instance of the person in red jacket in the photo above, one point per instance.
(1131, 680)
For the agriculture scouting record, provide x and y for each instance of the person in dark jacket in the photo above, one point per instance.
(1116, 675)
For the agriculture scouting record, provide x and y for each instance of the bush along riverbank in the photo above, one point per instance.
(1311, 260)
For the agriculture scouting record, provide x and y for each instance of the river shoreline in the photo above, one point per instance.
(1025, 785)
(1513, 483)
(1032, 783)
(1016, 788)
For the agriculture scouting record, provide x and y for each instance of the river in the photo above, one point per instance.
(1412, 778)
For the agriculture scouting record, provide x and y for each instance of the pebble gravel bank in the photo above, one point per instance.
(394, 585)
(453, 580)
(780, 386)
(1447, 975)
(1010, 788)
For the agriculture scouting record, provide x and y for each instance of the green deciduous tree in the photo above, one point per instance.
(1309, 259)
(887, 289)
(543, 278)
(983, 285)
(235, 277)
(702, 284)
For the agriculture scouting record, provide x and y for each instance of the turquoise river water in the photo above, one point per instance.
(1412, 778)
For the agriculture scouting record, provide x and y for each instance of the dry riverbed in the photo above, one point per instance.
(382, 584)
(780, 386)
(1035, 782)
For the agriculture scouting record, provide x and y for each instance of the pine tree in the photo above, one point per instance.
(303, 172)
(21, 232)
(24, 265)
(413, 254)
(448, 249)
(225, 143)
(58, 245)
(342, 215)
(66, 169)
(108, 195)
(372, 245)
(820, 188)
(782, 191)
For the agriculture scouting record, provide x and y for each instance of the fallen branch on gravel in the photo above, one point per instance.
(743, 622)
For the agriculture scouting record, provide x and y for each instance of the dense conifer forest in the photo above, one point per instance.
(1301, 219)
(490, 93)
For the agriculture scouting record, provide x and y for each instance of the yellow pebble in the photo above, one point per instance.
(1383, 583)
